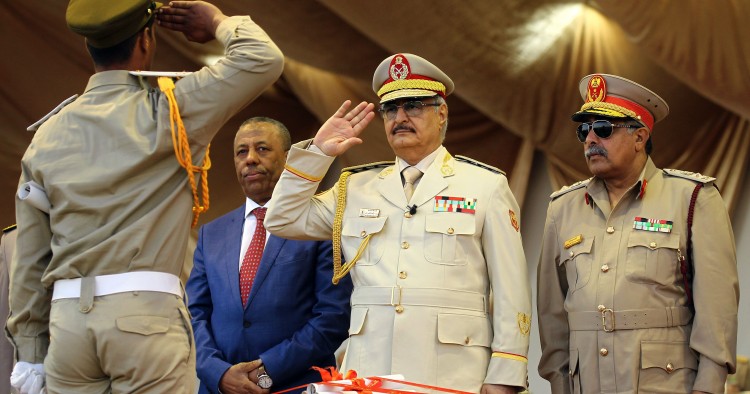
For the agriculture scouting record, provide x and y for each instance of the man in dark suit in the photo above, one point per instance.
(262, 321)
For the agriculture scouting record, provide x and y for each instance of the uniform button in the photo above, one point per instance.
(605, 268)
(466, 341)
(601, 308)
(404, 245)
(399, 308)
(652, 245)
(571, 253)
(450, 230)
(570, 372)
(407, 214)
(402, 274)
(604, 352)
(669, 368)
(610, 230)
(363, 234)
(246, 324)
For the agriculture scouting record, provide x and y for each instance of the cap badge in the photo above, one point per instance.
(399, 68)
(597, 89)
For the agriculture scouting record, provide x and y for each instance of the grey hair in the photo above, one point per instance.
(286, 138)
(440, 100)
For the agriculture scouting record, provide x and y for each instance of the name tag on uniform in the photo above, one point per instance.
(368, 213)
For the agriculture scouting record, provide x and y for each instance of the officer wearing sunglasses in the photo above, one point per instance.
(425, 238)
(637, 279)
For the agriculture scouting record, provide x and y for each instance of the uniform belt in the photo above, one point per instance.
(120, 283)
(442, 298)
(609, 320)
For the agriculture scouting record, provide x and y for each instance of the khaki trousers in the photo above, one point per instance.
(135, 342)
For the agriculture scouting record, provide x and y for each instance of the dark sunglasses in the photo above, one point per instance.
(602, 129)
(413, 108)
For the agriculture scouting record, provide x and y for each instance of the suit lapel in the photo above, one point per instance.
(270, 253)
(233, 239)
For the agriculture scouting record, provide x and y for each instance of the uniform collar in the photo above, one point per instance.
(112, 77)
(596, 191)
(423, 164)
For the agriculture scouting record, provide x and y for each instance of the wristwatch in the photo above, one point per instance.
(264, 381)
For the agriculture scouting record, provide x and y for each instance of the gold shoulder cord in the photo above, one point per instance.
(340, 271)
(182, 151)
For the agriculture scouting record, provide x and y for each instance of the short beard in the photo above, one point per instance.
(595, 150)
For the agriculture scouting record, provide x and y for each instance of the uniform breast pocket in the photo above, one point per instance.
(652, 258)
(354, 231)
(444, 235)
(578, 260)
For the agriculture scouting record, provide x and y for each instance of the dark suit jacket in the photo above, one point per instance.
(295, 317)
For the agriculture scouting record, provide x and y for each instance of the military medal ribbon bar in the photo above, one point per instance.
(657, 225)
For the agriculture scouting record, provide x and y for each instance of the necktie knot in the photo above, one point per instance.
(411, 175)
(260, 214)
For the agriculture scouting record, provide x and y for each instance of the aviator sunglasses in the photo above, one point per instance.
(413, 108)
(602, 129)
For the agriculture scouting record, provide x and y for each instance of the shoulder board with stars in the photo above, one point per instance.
(479, 164)
(35, 126)
(693, 176)
(368, 166)
(10, 228)
(568, 189)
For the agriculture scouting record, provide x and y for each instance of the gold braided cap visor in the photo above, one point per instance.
(410, 88)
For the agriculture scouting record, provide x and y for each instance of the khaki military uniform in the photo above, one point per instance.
(613, 311)
(120, 203)
(7, 245)
(422, 300)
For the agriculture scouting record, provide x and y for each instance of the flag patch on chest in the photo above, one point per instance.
(658, 225)
(455, 204)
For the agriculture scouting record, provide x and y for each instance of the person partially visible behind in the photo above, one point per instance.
(7, 245)
(95, 291)
(434, 240)
(637, 279)
(264, 308)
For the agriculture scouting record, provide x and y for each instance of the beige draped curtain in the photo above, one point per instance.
(516, 66)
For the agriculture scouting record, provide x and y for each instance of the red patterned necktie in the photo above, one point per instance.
(254, 252)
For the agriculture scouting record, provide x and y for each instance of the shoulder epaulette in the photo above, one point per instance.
(568, 189)
(693, 176)
(10, 228)
(479, 164)
(35, 126)
(368, 166)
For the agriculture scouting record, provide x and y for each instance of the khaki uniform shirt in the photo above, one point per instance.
(613, 311)
(7, 245)
(422, 300)
(120, 201)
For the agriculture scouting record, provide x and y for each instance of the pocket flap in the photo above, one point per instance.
(357, 320)
(580, 248)
(144, 325)
(668, 356)
(450, 223)
(653, 239)
(361, 227)
(465, 330)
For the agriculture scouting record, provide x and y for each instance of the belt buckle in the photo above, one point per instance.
(604, 320)
(393, 296)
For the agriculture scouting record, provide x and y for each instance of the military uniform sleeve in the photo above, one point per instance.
(294, 211)
(506, 264)
(715, 292)
(209, 97)
(552, 287)
(28, 324)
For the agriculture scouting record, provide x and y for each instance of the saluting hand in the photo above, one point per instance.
(340, 131)
(197, 20)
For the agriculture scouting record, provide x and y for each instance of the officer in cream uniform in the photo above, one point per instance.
(441, 292)
(614, 305)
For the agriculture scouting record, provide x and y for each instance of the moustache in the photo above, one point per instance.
(595, 150)
(401, 127)
(254, 170)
